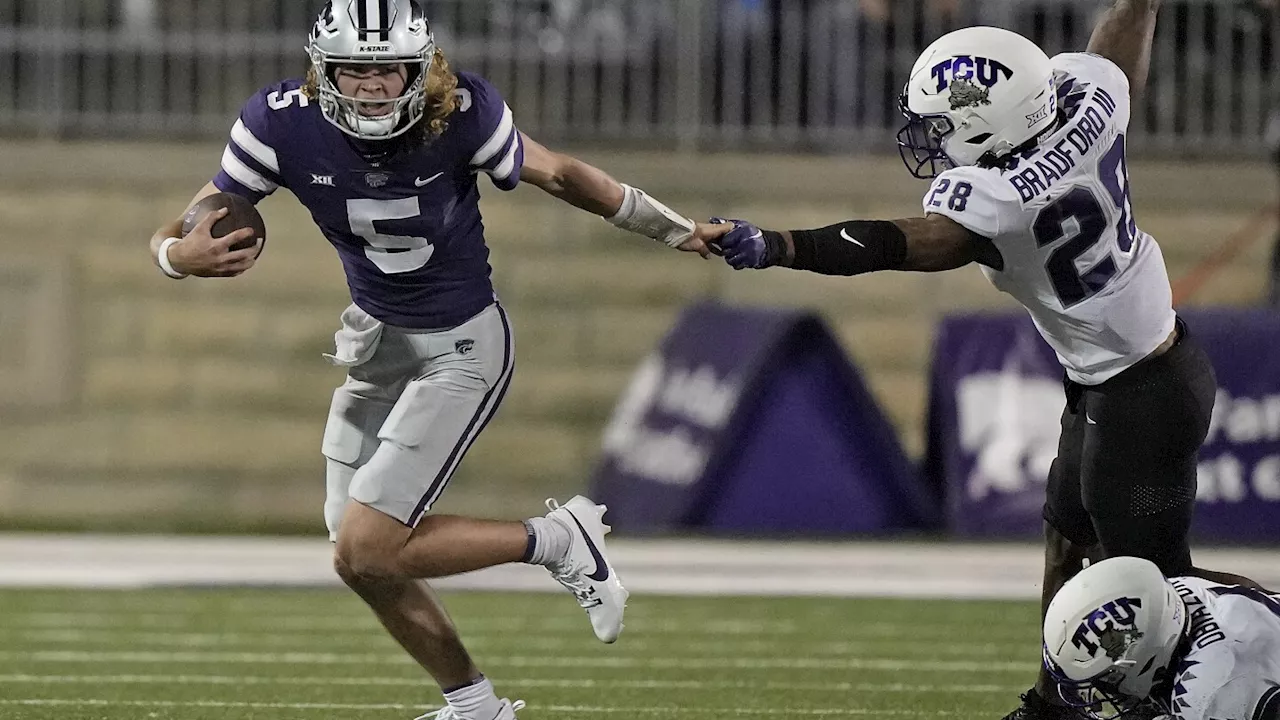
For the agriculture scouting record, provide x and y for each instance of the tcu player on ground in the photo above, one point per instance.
(383, 144)
(1030, 181)
(1119, 635)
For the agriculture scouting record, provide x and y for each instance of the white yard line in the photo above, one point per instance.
(574, 709)
(492, 624)
(679, 567)
(699, 685)
(517, 661)
(530, 642)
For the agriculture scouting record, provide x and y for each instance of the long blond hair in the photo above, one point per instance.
(441, 97)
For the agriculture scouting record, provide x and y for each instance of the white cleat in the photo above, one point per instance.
(508, 712)
(585, 570)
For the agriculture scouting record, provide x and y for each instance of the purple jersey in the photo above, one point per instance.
(408, 230)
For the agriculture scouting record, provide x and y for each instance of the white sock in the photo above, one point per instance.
(476, 701)
(549, 541)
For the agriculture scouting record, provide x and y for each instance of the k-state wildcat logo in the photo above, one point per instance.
(983, 71)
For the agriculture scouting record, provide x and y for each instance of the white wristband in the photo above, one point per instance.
(643, 215)
(162, 256)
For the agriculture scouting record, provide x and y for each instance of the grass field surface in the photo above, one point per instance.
(237, 654)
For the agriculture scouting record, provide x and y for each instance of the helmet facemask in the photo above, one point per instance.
(920, 142)
(1098, 697)
(400, 113)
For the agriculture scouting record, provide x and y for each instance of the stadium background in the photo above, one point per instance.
(132, 402)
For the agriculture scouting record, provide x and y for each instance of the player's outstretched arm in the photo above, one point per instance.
(928, 244)
(1124, 36)
(199, 253)
(591, 189)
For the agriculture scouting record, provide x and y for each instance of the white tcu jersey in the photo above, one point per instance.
(1232, 669)
(1095, 285)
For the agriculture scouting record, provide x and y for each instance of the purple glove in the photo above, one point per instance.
(744, 247)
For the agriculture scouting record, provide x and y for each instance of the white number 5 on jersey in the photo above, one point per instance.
(391, 253)
(276, 101)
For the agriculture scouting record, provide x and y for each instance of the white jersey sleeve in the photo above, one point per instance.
(976, 199)
(1238, 698)
(1099, 72)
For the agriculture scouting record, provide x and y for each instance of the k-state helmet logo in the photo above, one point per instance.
(1110, 628)
(326, 23)
(983, 71)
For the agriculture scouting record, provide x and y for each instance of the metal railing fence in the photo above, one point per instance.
(686, 74)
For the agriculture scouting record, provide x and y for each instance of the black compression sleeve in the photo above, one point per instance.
(850, 248)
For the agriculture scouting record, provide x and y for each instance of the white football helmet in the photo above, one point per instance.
(975, 95)
(1110, 635)
(372, 32)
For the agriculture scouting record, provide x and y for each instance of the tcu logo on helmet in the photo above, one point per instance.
(1110, 628)
(984, 71)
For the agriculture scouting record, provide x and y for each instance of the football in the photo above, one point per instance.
(242, 215)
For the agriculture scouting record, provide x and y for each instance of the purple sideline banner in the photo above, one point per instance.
(995, 401)
(752, 421)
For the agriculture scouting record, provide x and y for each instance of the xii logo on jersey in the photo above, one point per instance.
(982, 71)
(326, 180)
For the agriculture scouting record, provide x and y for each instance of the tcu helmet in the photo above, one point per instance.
(372, 32)
(975, 94)
(1110, 634)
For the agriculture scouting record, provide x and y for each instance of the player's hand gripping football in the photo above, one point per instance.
(744, 246)
(202, 255)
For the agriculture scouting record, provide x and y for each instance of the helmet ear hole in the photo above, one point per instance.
(979, 139)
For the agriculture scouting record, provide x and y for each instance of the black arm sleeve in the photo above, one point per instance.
(850, 248)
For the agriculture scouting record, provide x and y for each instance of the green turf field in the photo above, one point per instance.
(313, 654)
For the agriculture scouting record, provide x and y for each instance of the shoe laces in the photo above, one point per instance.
(570, 576)
(448, 713)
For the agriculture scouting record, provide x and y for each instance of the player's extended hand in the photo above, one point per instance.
(202, 255)
(705, 239)
(743, 245)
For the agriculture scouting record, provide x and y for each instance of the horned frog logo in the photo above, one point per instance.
(966, 93)
(1115, 642)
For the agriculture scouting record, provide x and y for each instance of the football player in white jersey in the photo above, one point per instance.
(1027, 157)
(1119, 635)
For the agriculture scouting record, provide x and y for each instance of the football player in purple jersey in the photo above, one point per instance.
(383, 143)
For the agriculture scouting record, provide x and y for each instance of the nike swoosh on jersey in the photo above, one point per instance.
(845, 234)
(423, 183)
(602, 568)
